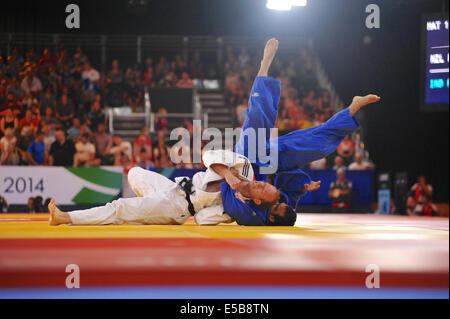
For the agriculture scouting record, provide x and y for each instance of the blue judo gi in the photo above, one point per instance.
(295, 150)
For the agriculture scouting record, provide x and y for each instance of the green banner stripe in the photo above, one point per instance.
(90, 196)
(98, 176)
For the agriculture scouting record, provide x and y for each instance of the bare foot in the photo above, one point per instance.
(361, 101)
(57, 217)
(270, 50)
(269, 53)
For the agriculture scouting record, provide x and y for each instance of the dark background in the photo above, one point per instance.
(398, 135)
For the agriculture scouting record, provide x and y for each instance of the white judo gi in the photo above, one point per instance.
(161, 201)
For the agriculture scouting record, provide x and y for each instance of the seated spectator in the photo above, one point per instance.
(30, 206)
(421, 194)
(49, 120)
(31, 120)
(185, 81)
(339, 163)
(62, 150)
(346, 149)
(65, 111)
(421, 189)
(74, 131)
(340, 191)
(48, 99)
(85, 152)
(25, 139)
(143, 141)
(36, 150)
(30, 83)
(15, 89)
(90, 77)
(359, 163)
(49, 138)
(117, 147)
(143, 159)
(114, 82)
(96, 116)
(102, 140)
(11, 103)
(10, 155)
(8, 139)
(8, 121)
(3, 204)
(132, 95)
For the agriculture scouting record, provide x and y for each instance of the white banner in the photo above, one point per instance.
(68, 185)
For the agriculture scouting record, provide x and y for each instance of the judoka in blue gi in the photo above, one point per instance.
(292, 152)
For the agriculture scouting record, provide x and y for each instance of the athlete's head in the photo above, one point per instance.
(260, 193)
(281, 214)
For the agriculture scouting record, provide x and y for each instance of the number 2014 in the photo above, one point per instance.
(22, 184)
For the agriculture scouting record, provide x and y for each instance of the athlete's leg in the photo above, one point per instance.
(144, 182)
(304, 146)
(262, 107)
(165, 208)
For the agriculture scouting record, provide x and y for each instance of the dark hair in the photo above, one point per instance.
(289, 218)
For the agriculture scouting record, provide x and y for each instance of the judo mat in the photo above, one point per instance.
(323, 256)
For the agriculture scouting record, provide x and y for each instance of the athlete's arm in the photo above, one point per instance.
(226, 173)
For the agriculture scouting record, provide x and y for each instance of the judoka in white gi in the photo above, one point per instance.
(161, 201)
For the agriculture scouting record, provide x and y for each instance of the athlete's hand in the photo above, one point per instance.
(240, 197)
(313, 186)
(233, 181)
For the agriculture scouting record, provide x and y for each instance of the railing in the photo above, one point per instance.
(133, 49)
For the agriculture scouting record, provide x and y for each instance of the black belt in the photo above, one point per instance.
(187, 187)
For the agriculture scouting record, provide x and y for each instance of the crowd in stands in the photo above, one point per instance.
(53, 108)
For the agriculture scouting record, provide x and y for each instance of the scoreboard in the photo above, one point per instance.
(435, 80)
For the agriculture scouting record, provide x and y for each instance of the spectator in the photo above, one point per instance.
(185, 81)
(143, 142)
(359, 164)
(9, 121)
(340, 191)
(31, 120)
(96, 116)
(50, 120)
(339, 163)
(65, 111)
(74, 131)
(36, 150)
(102, 141)
(10, 155)
(62, 150)
(15, 89)
(30, 83)
(11, 103)
(90, 77)
(25, 138)
(117, 147)
(3, 204)
(48, 99)
(421, 194)
(421, 190)
(114, 82)
(30, 206)
(346, 149)
(85, 152)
